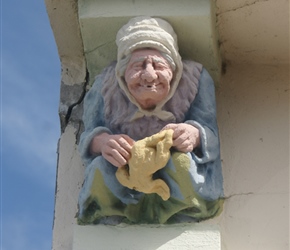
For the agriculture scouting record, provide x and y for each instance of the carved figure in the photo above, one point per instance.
(150, 89)
(148, 156)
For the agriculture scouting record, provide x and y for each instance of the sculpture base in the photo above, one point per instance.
(161, 237)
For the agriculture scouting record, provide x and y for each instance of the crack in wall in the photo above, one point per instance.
(100, 46)
(256, 194)
(241, 194)
(219, 22)
(72, 106)
(241, 7)
(72, 97)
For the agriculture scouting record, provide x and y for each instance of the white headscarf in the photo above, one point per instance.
(147, 32)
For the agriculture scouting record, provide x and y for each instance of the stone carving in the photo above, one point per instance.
(148, 91)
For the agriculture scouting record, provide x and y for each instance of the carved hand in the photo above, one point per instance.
(116, 149)
(185, 137)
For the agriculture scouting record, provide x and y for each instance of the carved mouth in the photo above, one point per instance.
(150, 85)
(150, 88)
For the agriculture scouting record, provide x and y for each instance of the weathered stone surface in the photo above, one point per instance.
(69, 181)
(64, 22)
(71, 108)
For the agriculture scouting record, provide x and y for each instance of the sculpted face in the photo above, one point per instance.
(148, 76)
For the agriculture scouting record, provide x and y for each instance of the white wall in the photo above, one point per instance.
(253, 115)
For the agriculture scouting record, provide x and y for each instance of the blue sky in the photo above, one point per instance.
(30, 82)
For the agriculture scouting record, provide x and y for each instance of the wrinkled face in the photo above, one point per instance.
(148, 76)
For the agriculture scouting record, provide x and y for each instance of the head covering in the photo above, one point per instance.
(147, 32)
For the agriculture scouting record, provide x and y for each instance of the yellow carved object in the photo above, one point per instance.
(148, 156)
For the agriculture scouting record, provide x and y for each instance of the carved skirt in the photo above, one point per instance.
(104, 200)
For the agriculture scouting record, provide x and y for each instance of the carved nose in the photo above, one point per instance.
(149, 73)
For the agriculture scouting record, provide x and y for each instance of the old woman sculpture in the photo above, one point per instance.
(150, 89)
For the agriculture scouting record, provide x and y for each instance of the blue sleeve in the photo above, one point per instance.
(202, 114)
(93, 119)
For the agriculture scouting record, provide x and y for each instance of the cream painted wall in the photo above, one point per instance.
(254, 31)
(253, 116)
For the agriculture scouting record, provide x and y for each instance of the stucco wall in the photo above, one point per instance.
(253, 115)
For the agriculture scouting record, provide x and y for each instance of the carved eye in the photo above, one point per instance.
(158, 66)
(138, 65)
